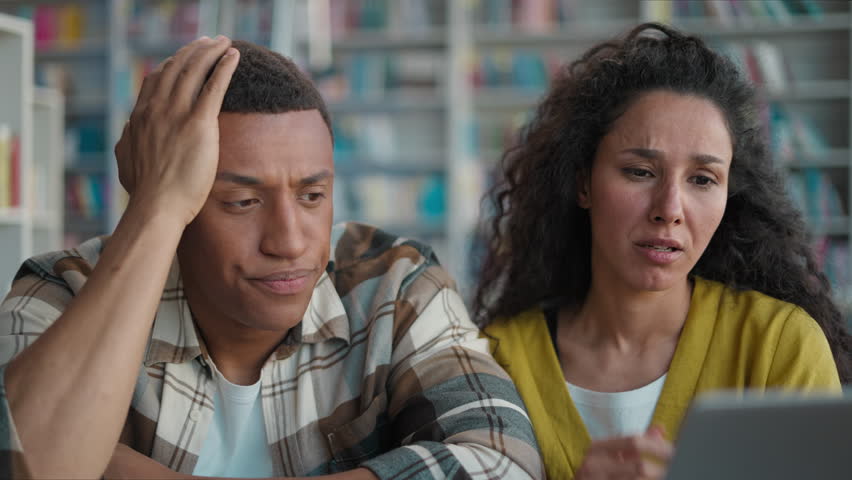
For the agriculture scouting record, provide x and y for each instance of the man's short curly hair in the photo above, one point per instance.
(268, 82)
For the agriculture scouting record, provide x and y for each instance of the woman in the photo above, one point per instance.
(644, 251)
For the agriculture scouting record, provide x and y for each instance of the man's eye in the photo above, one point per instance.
(313, 196)
(242, 203)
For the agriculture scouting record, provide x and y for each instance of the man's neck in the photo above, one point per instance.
(239, 352)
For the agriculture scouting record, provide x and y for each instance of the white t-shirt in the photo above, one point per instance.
(235, 445)
(617, 414)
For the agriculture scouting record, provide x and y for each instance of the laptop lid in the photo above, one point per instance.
(777, 436)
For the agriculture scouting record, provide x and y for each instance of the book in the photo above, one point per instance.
(657, 11)
(15, 171)
(779, 11)
(5, 166)
(535, 15)
(770, 62)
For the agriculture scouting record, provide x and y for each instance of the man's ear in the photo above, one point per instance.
(583, 198)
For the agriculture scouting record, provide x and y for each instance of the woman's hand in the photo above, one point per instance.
(169, 150)
(643, 456)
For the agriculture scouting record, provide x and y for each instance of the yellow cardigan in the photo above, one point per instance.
(731, 340)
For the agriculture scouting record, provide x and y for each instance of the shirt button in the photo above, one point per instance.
(194, 414)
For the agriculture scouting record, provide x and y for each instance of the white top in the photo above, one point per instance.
(235, 445)
(617, 414)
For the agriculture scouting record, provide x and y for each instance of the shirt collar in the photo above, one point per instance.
(174, 338)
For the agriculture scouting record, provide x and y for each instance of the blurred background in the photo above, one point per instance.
(425, 96)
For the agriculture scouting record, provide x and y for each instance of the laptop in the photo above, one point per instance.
(774, 436)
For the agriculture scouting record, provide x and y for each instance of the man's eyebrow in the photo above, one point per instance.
(315, 178)
(235, 178)
(652, 154)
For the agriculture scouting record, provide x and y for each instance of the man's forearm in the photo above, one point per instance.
(70, 390)
(127, 463)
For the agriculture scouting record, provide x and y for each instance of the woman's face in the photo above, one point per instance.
(657, 191)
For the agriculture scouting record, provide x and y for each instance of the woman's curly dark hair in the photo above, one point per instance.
(540, 239)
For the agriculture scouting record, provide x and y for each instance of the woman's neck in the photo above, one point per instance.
(631, 320)
(617, 342)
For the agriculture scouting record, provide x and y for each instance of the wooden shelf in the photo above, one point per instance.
(96, 50)
(511, 98)
(837, 226)
(762, 27)
(11, 216)
(812, 90)
(391, 104)
(402, 163)
(838, 158)
(383, 40)
(508, 36)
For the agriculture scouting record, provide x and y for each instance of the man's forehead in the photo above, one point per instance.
(263, 144)
(241, 178)
(304, 122)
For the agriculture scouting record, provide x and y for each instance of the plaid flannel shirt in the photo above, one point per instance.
(385, 371)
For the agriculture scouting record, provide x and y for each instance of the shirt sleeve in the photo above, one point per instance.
(30, 307)
(802, 359)
(453, 410)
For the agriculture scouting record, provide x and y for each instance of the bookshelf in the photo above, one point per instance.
(425, 95)
(72, 55)
(384, 68)
(48, 195)
(802, 54)
(16, 117)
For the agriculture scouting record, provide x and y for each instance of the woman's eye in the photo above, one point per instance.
(701, 180)
(638, 172)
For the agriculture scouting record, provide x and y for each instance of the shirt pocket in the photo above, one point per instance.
(360, 439)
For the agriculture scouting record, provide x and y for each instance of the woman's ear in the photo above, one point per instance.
(583, 199)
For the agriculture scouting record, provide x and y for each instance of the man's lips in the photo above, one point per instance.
(285, 275)
(284, 283)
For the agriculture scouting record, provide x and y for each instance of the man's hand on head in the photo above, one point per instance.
(169, 150)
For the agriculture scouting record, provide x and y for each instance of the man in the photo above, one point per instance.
(271, 344)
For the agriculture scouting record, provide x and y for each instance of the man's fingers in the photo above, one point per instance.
(211, 95)
(121, 153)
(191, 78)
(161, 78)
(172, 67)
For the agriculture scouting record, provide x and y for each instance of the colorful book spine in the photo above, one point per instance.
(15, 171)
(5, 166)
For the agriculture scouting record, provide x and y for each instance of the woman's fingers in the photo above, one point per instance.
(636, 457)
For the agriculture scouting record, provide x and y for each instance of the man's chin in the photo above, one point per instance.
(277, 319)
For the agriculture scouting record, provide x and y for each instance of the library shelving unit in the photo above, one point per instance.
(16, 52)
(72, 55)
(800, 61)
(425, 95)
(797, 53)
(48, 188)
(385, 70)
